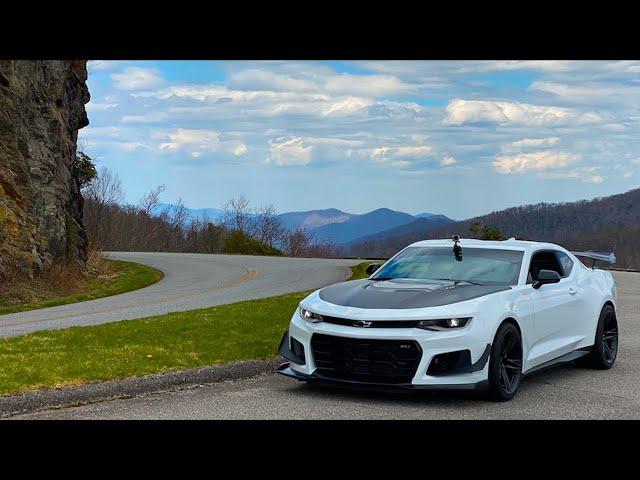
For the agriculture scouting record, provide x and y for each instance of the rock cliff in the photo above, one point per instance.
(41, 109)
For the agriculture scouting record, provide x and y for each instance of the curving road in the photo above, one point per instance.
(191, 281)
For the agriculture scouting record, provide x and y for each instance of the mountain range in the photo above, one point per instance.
(335, 225)
(609, 223)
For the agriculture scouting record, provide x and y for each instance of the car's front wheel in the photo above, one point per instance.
(505, 363)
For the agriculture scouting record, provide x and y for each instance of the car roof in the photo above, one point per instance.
(511, 244)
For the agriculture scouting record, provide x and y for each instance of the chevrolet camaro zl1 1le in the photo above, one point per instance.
(457, 314)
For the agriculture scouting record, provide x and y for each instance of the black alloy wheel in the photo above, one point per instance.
(505, 364)
(604, 352)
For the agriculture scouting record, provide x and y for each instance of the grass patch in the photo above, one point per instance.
(358, 271)
(63, 287)
(209, 336)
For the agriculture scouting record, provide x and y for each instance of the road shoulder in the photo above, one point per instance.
(35, 400)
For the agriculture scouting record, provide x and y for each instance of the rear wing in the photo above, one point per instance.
(604, 257)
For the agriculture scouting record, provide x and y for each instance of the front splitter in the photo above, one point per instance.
(287, 371)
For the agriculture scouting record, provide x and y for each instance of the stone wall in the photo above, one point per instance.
(41, 109)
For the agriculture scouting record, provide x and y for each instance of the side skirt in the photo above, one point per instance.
(566, 358)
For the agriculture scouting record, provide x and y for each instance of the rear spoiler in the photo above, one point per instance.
(605, 257)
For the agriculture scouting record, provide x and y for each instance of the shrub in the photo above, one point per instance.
(236, 241)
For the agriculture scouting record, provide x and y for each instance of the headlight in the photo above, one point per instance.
(310, 316)
(444, 323)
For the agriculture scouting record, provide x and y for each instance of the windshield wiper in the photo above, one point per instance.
(383, 278)
(458, 281)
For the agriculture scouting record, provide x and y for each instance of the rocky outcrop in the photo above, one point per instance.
(41, 109)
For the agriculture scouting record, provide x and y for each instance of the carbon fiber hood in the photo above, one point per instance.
(402, 293)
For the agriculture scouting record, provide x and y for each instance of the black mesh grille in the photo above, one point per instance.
(365, 360)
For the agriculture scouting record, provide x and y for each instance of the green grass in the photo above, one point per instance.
(358, 271)
(130, 276)
(209, 336)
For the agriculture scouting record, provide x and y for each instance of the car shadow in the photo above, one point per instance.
(389, 394)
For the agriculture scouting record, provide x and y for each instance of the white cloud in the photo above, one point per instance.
(262, 103)
(535, 142)
(448, 160)
(404, 151)
(262, 79)
(289, 151)
(196, 141)
(366, 85)
(461, 111)
(534, 162)
(398, 157)
(578, 92)
(332, 141)
(585, 174)
(346, 106)
(380, 152)
(133, 146)
(545, 65)
(240, 149)
(412, 151)
(99, 107)
(146, 118)
(102, 64)
(110, 131)
(257, 79)
(137, 78)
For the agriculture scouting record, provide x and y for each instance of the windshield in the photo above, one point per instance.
(479, 265)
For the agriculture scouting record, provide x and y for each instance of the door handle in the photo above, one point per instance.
(572, 291)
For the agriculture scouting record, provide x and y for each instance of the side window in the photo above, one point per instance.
(565, 262)
(545, 260)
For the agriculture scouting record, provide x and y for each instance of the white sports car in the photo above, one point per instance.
(457, 314)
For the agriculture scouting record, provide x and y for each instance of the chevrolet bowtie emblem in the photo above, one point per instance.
(362, 323)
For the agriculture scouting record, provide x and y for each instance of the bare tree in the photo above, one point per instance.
(105, 189)
(237, 214)
(150, 200)
(298, 242)
(268, 227)
(102, 194)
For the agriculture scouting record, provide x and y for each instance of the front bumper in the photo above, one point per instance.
(470, 373)
(286, 370)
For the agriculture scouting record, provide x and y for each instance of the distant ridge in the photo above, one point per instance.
(332, 224)
(605, 223)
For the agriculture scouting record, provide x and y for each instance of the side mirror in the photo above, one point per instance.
(545, 277)
(372, 268)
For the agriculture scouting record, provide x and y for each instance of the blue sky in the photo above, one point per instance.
(459, 138)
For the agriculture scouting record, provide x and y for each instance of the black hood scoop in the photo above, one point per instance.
(400, 293)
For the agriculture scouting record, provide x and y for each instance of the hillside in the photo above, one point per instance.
(313, 218)
(605, 223)
(211, 214)
(360, 225)
(421, 224)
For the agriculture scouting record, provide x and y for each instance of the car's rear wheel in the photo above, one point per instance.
(605, 347)
(505, 363)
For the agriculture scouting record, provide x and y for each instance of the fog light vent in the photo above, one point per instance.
(298, 349)
(450, 363)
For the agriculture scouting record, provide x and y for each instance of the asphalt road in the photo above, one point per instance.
(191, 281)
(563, 393)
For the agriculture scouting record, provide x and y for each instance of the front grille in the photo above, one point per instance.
(371, 324)
(365, 360)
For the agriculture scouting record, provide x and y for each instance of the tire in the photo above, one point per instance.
(605, 346)
(505, 363)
